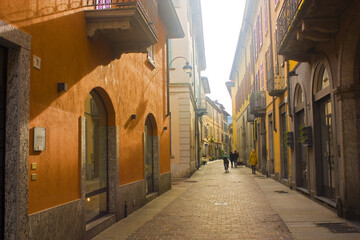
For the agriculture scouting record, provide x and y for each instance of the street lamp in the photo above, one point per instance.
(187, 68)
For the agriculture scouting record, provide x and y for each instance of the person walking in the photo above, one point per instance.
(253, 160)
(236, 156)
(226, 162)
(231, 159)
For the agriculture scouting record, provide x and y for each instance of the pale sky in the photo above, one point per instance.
(221, 24)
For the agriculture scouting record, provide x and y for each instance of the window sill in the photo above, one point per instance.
(326, 200)
(304, 190)
(151, 63)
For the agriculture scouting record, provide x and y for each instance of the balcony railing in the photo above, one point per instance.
(130, 26)
(276, 84)
(258, 103)
(285, 19)
(148, 8)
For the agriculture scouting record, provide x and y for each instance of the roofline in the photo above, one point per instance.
(170, 18)
(242, 36)
(206, 81)
(229, 85)
(200, 41)
(212, 103)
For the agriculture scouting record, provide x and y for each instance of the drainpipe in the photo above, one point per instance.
(167, 78)
(288, 83)
(168, 113)
(197, 148)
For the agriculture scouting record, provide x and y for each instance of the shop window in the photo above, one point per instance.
(323, 79)
(326, 161)
(96, 157)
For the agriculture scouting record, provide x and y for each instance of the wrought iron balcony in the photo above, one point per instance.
(276, 84)
(286, 18)
(258, 103)
(302, 24)
(129, 25)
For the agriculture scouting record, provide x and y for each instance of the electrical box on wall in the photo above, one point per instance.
(39, 138)
(36, 62)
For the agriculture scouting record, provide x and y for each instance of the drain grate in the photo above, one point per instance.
(339, 227)
(281, 191)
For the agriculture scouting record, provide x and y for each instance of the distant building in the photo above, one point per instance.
(187, 90)
(215, 131)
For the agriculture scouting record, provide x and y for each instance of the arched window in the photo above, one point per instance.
(302, 172)
(96, 159)
(323, 126)
(322, 79)
(299, 98)
(151, 155)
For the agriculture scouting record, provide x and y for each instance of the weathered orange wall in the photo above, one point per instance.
(67, 55)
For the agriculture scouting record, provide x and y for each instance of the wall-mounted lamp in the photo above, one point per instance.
(133, 116)
(165, 128)
(187, 68)
(62, 87)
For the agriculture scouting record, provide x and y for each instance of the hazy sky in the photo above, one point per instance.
(221, 23)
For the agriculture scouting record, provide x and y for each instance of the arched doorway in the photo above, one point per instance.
(302, 168)
(96, 157)
(151, 155)
(323, 110)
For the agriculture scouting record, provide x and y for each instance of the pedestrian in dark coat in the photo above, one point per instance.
(236, 156)
(231, 159)
(226, 162)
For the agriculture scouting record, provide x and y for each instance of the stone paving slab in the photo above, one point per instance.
(213, 204)
(302, 214)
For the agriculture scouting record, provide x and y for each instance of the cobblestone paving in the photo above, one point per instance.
(217, 205)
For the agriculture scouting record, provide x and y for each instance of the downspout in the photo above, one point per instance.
(288, 83)
(272, 69)
(168, 113)
(197, 157)
(167, 78)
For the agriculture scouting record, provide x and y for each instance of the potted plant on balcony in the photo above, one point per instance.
(305, 135)
(289, 139)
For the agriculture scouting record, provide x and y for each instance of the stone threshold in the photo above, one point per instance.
(151, 196)
(99, 221)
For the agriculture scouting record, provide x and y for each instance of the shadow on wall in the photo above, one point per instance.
(33, 10)
(67, 55)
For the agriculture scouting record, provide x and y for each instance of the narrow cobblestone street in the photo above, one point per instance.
(218, 205)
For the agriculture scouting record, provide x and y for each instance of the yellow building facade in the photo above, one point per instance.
(259, 94)
(294, 85)
(212, 130)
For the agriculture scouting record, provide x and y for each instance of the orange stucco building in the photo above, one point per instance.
(94, 79)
